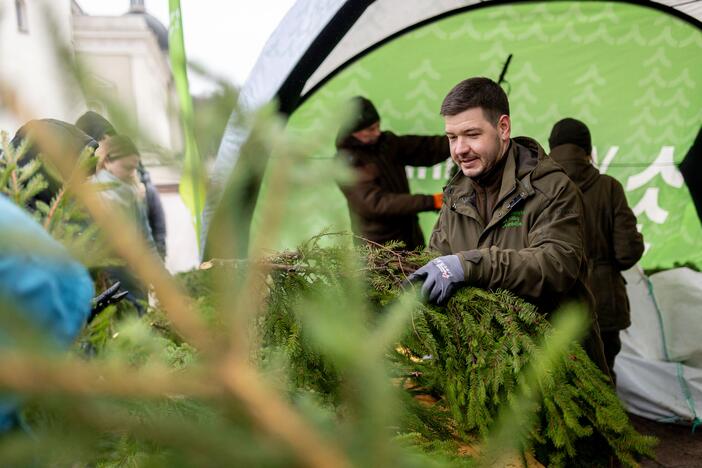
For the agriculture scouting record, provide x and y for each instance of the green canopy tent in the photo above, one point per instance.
(631, 70)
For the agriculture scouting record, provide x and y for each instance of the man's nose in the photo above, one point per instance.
(462, 146)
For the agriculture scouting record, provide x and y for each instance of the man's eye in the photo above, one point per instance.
(451, 137)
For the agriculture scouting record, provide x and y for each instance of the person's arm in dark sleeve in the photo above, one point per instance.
(627, 241)
(551, 263)
(367, 199)
(157, 218)
(419, 150)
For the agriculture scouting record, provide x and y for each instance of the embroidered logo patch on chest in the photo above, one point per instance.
(513, 220)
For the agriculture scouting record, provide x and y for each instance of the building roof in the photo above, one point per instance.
(159, 30)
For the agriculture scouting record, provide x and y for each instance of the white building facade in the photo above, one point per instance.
(32, 84)
(126, 57)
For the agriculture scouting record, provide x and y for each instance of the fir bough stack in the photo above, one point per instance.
(470, 352)
(21, 180)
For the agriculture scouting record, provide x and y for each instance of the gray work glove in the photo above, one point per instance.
(442, 276)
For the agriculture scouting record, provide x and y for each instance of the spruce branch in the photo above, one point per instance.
(52, 209)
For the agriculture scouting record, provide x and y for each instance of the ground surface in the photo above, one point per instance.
(678, 447)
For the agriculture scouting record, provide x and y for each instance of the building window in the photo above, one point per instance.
(22, 20)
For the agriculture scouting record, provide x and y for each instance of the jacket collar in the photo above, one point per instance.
(525, 159)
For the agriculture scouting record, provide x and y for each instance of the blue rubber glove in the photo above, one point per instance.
(441, 276)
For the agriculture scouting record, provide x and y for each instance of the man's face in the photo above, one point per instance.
(476, 144)
(368, 135)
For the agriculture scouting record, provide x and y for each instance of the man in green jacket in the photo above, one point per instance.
(612, 242)
(380, 203)
(511, 217)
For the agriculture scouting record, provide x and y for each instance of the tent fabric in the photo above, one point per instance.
(273, 76)
(629, 72)
(659, 370)
(691, 169)
(281, 53)
(381, 21)
(595, 28)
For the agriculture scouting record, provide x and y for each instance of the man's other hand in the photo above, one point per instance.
(441, 276)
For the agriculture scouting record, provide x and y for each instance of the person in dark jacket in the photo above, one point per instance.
(612, 242)
(511, 217)
(381, 206)
(59, 144)
(101, 129)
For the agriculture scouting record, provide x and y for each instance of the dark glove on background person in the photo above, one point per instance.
(442, 276)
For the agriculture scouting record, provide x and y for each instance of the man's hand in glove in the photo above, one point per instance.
(442, 276)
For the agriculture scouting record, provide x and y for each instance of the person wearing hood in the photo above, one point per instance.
(380, 203)
(101, 130)
(58, 145)
(511, 217)
(612, 242)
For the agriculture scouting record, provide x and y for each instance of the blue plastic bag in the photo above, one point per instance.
(40, 281)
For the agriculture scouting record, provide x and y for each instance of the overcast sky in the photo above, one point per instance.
(224, 35)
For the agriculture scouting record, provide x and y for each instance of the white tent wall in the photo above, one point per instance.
(379, 21)
(283, 50)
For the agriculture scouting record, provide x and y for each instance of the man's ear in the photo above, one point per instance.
(504, 127)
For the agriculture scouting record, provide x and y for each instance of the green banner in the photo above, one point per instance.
(192, 185)
(633, 74)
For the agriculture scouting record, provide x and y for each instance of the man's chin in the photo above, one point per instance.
(472, 172)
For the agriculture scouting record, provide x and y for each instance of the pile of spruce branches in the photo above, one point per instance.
(469, 356)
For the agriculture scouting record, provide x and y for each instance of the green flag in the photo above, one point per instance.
(192, 183)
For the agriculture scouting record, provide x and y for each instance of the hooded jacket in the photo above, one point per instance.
(533, 244)
(612, 242)
(381, 206)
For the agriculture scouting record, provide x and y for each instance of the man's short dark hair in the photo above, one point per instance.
(477, 92)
